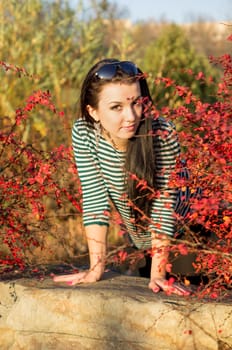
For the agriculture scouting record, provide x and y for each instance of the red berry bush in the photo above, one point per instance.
(31, 181)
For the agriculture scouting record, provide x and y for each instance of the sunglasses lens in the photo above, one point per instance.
(129, 68)
(109, 71)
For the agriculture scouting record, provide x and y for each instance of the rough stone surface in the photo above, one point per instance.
(117, 313)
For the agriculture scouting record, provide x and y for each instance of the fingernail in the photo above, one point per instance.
(155, 290)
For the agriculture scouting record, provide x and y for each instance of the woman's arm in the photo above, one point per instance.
(95, 204)
(167, 149)
(96, 239)
(158, 279)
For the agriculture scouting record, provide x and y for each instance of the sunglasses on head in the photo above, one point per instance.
(109, 70)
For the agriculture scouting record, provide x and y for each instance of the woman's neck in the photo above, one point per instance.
(119, 145)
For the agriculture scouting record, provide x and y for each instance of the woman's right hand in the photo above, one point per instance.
(87, 276)
(96, 238)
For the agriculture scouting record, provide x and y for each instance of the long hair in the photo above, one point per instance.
(139, 163)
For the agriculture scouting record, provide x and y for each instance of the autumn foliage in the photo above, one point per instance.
(205, 135)
(33, 180)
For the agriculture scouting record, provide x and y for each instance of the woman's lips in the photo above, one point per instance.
(129, 127)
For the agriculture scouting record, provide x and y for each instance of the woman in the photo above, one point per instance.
(124, 157)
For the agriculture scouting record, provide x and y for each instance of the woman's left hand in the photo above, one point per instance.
(157, 284)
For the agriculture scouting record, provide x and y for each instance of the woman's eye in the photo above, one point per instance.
(116, 108)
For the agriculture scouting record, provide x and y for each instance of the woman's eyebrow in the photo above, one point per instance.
(113, 102)
(132, 98)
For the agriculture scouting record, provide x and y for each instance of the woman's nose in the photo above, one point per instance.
(130, 114)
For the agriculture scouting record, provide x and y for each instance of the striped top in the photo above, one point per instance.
(101, 173)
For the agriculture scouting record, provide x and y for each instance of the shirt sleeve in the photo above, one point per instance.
(167, 149)
(94, 193)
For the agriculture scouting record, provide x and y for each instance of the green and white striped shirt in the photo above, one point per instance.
(102, 177)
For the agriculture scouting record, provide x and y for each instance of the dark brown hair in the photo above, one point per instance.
(139, 163)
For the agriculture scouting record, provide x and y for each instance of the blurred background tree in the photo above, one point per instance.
(57, 43)
(172, 56)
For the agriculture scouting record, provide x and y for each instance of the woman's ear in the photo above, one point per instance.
(92, 112)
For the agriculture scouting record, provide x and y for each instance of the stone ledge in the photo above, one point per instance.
(117, 313)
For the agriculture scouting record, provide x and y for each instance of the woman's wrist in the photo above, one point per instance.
(158, 266)
(97, 264)
(96, 274)
(159, 258)
(96, 237)
(158, 269)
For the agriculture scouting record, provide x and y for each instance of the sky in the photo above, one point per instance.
(178, 11)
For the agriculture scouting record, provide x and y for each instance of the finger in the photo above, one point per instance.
(81, 278)
(173, 288)
(182, 289)
(154, 287)
(177, 290)
(74, 282)
(68, 278)
(70, 283)
(62, 278)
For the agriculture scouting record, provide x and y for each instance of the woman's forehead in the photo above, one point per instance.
(120, 91)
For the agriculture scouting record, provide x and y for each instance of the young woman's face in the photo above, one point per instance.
(119, 111)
